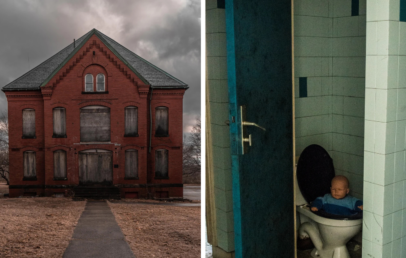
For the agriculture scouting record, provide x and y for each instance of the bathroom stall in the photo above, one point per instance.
(325, 72)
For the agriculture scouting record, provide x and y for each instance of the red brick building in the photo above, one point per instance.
(96, 116)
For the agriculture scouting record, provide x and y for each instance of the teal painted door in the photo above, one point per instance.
(259, 63)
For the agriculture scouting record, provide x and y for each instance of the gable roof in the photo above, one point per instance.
(147, 72)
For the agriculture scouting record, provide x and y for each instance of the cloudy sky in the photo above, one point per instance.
(166, 33)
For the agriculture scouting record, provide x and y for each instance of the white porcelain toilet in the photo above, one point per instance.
(329, 236)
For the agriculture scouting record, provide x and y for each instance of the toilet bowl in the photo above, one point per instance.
(314, 173)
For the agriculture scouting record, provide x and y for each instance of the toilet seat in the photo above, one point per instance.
(315, 170)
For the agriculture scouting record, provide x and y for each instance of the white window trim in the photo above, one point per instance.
(92, 83)
(104, 83)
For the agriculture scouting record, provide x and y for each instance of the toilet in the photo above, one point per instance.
(314, 172)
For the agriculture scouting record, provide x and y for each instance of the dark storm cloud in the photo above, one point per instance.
(166, 33)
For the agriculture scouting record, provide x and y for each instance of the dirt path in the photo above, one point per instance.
(37, 227)
(159, 231)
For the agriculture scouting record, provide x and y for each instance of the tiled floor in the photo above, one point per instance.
(354, 248)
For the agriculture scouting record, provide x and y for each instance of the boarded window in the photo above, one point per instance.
(29, 164)
(131, 164)
(59, 164)
(100, 82)
(95, 167)
(89, 82)
(28, 123)
(161, 163)
(59, 122)
(95, 124)
(161, 121)
(131, 121)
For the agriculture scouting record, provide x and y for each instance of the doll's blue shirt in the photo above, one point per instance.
(346, 206)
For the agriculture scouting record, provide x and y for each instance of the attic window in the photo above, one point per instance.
(100, 82)
(89, 82)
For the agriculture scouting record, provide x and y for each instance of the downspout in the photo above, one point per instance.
(150, 133)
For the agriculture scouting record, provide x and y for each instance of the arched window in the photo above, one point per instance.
(89, 82)
(30, 164)
(60, 165)
(28, 123)
(161, 121)
(161, 163)
(59, 115)
(131, 164)
(100, 82)
(131, 121)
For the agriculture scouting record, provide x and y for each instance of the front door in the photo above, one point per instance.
(259, 59)
(95, 167)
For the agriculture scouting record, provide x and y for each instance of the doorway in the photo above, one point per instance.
(95, 167)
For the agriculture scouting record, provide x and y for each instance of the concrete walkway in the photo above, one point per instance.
(97, 234)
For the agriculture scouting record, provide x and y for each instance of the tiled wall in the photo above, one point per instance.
(384, 229)
(330, 52)
(218, 99)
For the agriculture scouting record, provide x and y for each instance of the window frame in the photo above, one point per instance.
(35, 131)
(54, 135)
(30, 178)
(104, 83)
(167, 164)
(167, 122)
(66, 166)
(126, 134)
(125, 165)
(92, 83)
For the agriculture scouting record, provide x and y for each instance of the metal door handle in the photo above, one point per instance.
(253, 124)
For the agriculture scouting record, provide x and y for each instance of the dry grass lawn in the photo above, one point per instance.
(159, 231)
(37, 227)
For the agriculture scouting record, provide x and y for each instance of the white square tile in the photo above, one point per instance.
(394, 10)
(368, 197)
(366, 247)
(402, 38)
(380, 137)
(341, 8)
(378, 200)
(371, 10)
(369, 166)
(400, 135)
(369, 143)
(401, 71)
(404, 223)
(362, 7)
(387, 230)
(397, 248)
(371, 38)
(362, 26)
(398, 196)
(370, 74)
(401, 104)
(389, 168)
(394, 36)
(393, 69)
(382, 10)
(403, 249)
(379, 169)
(387, 250)
(390, 137)
(377, 229)
(382, 37)
(370, 95)
(381, 104)
(397, 224)
(377, 250)
(367, 225)
(399, 166)
(392, 104)
(382, 72)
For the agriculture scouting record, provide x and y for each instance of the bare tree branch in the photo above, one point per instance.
(192, 154)
(4, 157)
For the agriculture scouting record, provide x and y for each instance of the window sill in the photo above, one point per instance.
(160, 135)
(131, 135)
(30, 178)
(161, 177)
(131, 178)
(29, 137)
(95, 92)
(59, 136)
(60, 179)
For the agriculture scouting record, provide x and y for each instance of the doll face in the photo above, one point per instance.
(339, 188)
